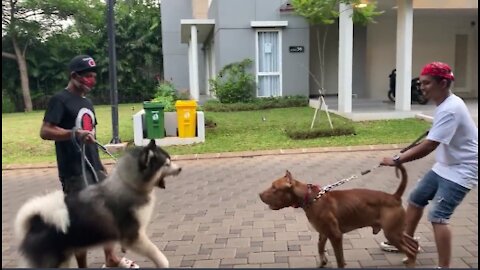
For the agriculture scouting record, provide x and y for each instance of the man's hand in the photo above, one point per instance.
(418, 151)
(388, 161)
(85, 136)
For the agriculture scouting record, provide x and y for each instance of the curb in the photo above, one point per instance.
(295, 151)
(243, 154)
(424, 117)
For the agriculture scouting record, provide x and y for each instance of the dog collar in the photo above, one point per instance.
(306, 199)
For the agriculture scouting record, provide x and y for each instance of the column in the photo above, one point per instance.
(194, 87)
(345, 59)
(404, 55)
(190, 67)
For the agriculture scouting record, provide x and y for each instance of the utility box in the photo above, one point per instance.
(186, 117)
(154, 119)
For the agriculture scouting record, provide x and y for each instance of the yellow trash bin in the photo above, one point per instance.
(186, 117)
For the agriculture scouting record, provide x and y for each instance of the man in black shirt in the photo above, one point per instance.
(70, 121)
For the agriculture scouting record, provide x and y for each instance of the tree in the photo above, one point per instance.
(325, 12)
(28, 22)
(139, 52)
(79, 27)
(138, 38)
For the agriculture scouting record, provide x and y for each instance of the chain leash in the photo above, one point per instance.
(334, 185)
(345, 180)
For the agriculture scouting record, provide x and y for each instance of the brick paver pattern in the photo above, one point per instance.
(211, 216)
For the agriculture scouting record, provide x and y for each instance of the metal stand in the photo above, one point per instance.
(112, 70)
(321, 101)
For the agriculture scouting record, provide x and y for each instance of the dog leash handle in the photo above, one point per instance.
(105, 150)
(327, 188)
(415, 142)
(365, 172)
(370, 170)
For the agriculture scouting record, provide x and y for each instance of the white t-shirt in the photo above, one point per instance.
(457, 153)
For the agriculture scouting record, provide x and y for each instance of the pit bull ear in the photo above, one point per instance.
(288, 175)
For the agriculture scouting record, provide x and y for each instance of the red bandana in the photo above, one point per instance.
(438, 69)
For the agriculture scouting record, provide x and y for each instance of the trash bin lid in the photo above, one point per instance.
(152, 105)
(186, 103)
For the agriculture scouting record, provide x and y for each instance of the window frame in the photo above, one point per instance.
(257, 62)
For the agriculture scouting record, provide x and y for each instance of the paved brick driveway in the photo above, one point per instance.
(211, 216)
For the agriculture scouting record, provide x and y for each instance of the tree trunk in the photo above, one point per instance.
(22, 67)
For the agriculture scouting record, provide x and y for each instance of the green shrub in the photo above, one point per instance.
(282, 102)
(256, 104)
(7, 104)
(209, 123)
(183, 96)
(165, 88)
(165, 94)
(233, 84)
(168, 103)
(299, 133)
(40, 100)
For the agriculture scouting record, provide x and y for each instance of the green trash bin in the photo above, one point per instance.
(154, 119)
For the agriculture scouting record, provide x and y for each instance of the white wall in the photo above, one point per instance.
(433, 40)
(331, 60)
(381, 37)
(445, 4)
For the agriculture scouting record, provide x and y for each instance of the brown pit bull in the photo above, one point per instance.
(339, 211)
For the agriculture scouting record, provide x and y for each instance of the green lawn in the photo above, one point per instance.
(235, 131)
(21, 142)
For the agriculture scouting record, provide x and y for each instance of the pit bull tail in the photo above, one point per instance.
(403, 184)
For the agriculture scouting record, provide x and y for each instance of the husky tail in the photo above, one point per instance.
(36, 221)
(403, 184)
(50, 208)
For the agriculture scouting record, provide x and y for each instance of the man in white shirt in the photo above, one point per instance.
(455, 137)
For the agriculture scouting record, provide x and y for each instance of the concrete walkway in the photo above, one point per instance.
(210, 216)
(368, 109)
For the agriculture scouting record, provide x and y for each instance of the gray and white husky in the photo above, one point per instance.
(51, 227)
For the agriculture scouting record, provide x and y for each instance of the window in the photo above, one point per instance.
(269, 63)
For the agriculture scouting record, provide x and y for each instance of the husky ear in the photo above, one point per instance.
(152, 145)
(147, 154)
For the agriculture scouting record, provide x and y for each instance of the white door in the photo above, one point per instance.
(209, 66)
(464, 66)
(269, 63)
(461, 63)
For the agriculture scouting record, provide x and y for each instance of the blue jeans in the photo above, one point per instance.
(444, 194)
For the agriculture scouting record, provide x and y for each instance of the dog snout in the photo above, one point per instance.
(175, 168)
(266, 199)
(262, 196)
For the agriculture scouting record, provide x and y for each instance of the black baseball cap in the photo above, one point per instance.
(82, 63)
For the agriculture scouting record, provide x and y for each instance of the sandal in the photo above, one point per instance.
(124, 263)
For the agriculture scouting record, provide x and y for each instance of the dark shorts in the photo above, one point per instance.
(444, 195)
(76, 183)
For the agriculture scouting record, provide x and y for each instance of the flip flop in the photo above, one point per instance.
(124, 263)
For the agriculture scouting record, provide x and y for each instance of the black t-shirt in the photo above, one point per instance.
(68, 110)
